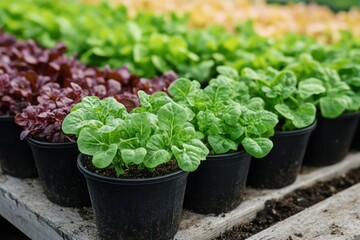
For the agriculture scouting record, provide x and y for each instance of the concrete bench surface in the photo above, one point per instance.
(23, 203)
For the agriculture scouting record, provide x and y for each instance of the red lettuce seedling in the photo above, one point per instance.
(40, 86)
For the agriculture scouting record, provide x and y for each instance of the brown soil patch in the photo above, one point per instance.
(276, 211)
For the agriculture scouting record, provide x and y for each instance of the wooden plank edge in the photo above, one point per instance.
(23, 203)
(197, 226)
(30, 223)
(337, 217)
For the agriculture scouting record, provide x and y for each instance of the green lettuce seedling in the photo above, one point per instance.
(225, 122)
(118, 139)
(284, 96)
(323, 87)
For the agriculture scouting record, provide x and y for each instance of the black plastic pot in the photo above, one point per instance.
(282, 165)
(218, 184)
(355, 144)
(15, 155)
(331, 140)
(63, 184)
(141, 209)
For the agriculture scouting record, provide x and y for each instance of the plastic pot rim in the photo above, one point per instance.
(42, 144)
(7, 118)
(300, 131)
(343, 116)
(219, 157)
(123, 181)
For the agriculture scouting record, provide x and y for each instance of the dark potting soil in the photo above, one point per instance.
(278, 210)
(133, 172)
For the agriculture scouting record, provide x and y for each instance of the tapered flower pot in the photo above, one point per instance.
(148, 208)
(218, 184)
(63, 184)
(282, 165)
(15, 155)
(355, 144)
(331, 140)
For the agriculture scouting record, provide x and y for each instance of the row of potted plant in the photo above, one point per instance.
(152, 44)
(232, 110)
(38, 89)
(223, 122)
(229, 112)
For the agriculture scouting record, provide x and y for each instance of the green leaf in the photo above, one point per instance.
(228, 72)
(160, 63)
(172, 115)
(140, 53)
(251, 74)
(158, 148)
(112, 108)
(104, 158)
(208, 123)
(140, 124)
(255, 104)
(235, 131)
(78, 119)
(257, 147)
(156, 158)
(284, 111)
(232, 113)
(90, 141)
(309, 87)
(216, 93)
(133, 156)
(89, 103)
(304, 115)
(334, 106)
(184, 91)
(221, 144)
(190, 154)
(134, 30)
(152, 103)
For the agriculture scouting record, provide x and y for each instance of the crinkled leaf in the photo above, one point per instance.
(90, 141)
(304, 115)
(111, 107)
(133, 156)
(255, 104)
(334, 106)
(232, 113)
(152, 103)
(104, 158)
(257, 147)
(156, 158)
(76, 120)
(89, 103)
(129, 143)
(228, 72)
(285, 111)
(172, 115)
(208, 123)
(184, 91)
(309, 87)
(235, 131)
(140, 124)
(190, 154)
(251, 74)
(216, 93)
(221, 144)
(158, 153)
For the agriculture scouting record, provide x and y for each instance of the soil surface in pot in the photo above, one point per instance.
(133, 171)
(276, 211)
